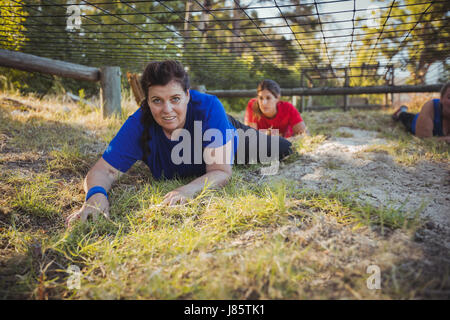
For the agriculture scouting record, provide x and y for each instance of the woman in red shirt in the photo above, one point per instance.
(268, 112)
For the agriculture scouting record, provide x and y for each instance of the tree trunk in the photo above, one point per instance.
(205, 17)
(421, 70)
(186, 31)
(235, 26)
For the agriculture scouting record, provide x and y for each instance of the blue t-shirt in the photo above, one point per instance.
(437, 121)
(203, 111)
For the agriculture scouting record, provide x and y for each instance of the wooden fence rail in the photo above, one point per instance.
(331, 91)
(109, 77)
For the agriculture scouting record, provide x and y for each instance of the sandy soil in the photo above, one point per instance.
(342, 163)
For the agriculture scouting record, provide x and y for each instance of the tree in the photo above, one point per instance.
(415, 34)
(12, 16)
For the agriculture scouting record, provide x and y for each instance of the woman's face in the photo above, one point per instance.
(267, 103)
(168, 105)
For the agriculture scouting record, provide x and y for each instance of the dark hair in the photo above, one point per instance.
(158, 73)
(266, 84)
(444, 88)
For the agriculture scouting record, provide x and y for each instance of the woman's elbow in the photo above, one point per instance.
(226, 180)
(300, 128)
(225, 174)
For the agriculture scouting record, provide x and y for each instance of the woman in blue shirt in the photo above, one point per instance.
(176, 132)
(433, 120)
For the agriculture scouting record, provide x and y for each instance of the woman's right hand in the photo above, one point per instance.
(96, 204)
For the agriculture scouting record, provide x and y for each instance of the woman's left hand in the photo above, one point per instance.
(217, 175)
(178, 195)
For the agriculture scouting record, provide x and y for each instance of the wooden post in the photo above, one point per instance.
(386, 95)
(110, 94)
(385, 101)
(302, 99)
(309, 97)
(294, 101)
(346, 85)
(392, 84)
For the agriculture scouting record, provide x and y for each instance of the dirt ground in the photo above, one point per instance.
(347, 163)
(340, 162)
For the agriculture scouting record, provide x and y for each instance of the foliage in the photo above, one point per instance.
(12, 16)
(154, 37)
(245, 47)
(399, 24)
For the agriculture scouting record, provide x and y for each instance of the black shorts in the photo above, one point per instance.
(254, 140)
(407, 119)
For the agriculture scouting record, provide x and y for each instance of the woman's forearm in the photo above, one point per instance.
(214, 179)
(299, 128)
(97, 178)
(444, 138)
(101, 174)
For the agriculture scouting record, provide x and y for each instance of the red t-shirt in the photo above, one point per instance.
(287, 116)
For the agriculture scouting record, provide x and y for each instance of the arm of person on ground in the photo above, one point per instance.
(102, 174)
(444, 138)
(424, 124)
(217, 175)
(299, 128)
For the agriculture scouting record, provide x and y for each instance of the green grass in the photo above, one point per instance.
(69, 160)
(246, 241)
(38, 197)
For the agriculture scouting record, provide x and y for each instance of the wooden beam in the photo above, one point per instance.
(32, 63)
(302, 84)
(331, 91)
(357, 106)
(346, 84)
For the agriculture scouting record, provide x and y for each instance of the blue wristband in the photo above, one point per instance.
(94, 190)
